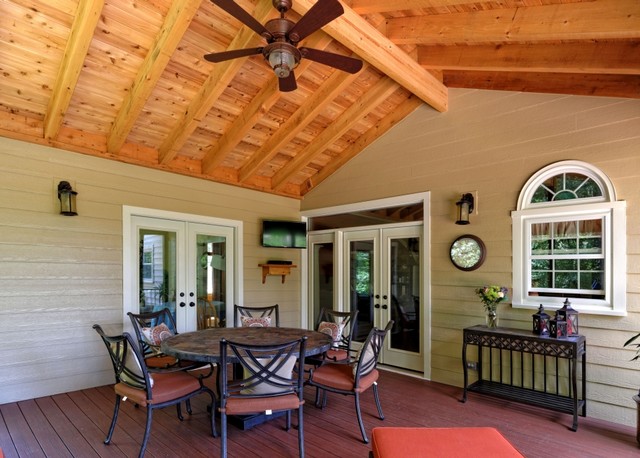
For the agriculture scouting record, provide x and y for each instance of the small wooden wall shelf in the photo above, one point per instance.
(276, 269)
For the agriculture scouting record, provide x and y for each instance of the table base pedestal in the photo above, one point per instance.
(245, 422)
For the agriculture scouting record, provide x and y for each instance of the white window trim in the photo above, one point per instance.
(530, 187)
(614, 240)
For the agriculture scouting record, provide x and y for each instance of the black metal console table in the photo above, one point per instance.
(514, 372)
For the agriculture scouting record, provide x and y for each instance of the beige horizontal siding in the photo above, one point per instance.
(492, 142)
(60, 275)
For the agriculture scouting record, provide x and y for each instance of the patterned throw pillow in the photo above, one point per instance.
(251, 322)
(332, 329)
(156, 334)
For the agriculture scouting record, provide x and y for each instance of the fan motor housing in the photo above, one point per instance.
(279, 29)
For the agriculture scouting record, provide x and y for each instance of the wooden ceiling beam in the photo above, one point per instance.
(612, 57)
(265, 99)
(627, 86)
(213, 87)
(358, 110)
(385, 6)
(380, 128)
(82, 30)
(315, 104)
(367, 42)
(175, 25)
(600, 19)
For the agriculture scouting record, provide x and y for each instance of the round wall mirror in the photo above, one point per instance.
(467, 252)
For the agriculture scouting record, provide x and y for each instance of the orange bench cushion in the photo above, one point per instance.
(389, 442)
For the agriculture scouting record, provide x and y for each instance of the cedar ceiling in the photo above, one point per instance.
(126, 79)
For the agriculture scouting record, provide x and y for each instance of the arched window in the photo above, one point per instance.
(569, 241)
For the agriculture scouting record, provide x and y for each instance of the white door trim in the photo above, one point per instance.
(129, 258)
(425, 198)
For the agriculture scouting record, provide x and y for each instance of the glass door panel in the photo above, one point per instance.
(209, 275)
(404, 285)
(362, 275)
(322, 291)
(210, 281)
(158, 271)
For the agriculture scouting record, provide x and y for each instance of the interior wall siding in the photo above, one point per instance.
(492, 142)
(59, 275)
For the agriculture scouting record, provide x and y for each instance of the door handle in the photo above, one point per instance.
(192, 304)
(384, 306)
(376, 306)
(182, 304)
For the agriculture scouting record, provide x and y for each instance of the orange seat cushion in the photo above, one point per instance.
(160, 361)
(340, 376)
(243, 406)
(166, 387)
(337, 355)
(388, 442)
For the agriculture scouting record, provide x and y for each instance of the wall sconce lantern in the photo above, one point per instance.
(465, 208)
(67, 197)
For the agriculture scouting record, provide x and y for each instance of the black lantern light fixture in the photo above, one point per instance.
(541, 322)
(465, 208)
(67, 197)
(570, 315)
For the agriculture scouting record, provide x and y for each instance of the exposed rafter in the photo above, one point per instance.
(86, 19)
(598, 20)
(371, 45)
(175, 25)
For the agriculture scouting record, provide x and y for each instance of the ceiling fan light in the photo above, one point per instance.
(282, 62)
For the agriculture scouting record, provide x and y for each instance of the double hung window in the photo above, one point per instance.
(569, 241)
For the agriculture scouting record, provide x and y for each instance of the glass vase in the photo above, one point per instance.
(492, 319)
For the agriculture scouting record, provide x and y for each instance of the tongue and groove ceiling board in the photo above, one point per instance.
(127, 81)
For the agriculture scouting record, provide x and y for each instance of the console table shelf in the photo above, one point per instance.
(509, 351)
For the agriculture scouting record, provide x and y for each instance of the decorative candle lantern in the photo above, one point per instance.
(557, 327)
(541, 322)
(570, 315)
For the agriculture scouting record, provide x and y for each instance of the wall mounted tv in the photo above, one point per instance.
(284, 234)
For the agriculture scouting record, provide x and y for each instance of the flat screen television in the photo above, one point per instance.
(284, 234)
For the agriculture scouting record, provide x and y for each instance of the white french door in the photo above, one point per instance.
(185, 266)
(382, 281)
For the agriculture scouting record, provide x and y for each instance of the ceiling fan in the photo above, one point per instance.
(282, 35)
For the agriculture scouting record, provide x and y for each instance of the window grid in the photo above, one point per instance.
(567, 258)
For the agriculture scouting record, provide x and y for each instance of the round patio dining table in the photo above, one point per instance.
(204, 345)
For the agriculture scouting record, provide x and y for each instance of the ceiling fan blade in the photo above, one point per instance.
(344, 63)
(240, 14)
(228, 55)
(320, 14)
(288, 84)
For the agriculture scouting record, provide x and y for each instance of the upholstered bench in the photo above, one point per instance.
(389, 442)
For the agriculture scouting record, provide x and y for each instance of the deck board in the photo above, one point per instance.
(74, 425)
